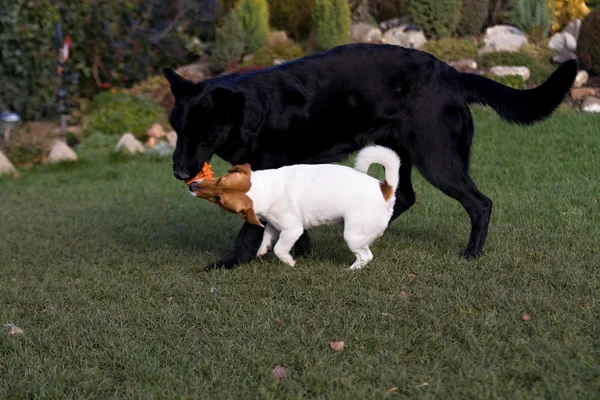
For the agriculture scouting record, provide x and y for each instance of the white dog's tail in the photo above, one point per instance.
(383, 156)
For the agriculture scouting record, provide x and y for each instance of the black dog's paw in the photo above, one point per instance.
(469, 254)
(225, 263)
(303, 248)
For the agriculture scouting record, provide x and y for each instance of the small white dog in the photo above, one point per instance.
(298, 197)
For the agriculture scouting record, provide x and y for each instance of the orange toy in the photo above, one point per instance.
(206, 173)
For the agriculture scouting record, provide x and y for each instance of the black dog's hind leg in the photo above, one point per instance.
(448, 171)
(246, 246)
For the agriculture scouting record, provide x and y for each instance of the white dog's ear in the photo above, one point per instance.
(249, 215)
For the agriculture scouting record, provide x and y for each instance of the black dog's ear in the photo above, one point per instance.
(179, 85)
(228, 103)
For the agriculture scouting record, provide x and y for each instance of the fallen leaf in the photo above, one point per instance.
(413, 274)
(279, 373)
(337, 346)
(423, 384)
(402, 294)
(525, 317)
(392, 390)
(278, 321)
(169, 300)
(13, 329)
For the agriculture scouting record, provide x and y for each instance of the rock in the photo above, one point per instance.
(466, 65)
(364, 33)
(581, 78)
(573, 28)
(151, 142)
(503, 70)
(503, 38)
(393, 23)
(278, 61)
(580, 93)
(162, 149)
(156, 131)
(172, 138)
(277, 38)
(61, 152)
(564, 56)
(130, 144)
(398, 37)
(591, 104)
(6, 167)
(247, 58)
(562, 41)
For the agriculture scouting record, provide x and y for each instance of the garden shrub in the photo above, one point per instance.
(533, 17)
(588, 46)
(285, 51)
(229, 42)
(474, 14)
(437, 18)
(331, 20)
(27, 58)
(292, 16)
(118, 113)
(452, 49)
(254, 15)
(538, 62)
(566, 11)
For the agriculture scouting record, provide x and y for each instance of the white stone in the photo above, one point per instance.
(130, 144)
(172, 138)
(467, 63)
(591, 104)
(61, 152)
(581, 78)
(398, 37)
(503, 70)
(6, 167)
(364, 33)
(573, 28)
(562, 41)
(162, 149)
(503, 38)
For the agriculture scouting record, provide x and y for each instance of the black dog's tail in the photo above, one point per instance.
(521, 106)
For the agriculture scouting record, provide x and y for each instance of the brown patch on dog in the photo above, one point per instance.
(386, 190)
(229, 192)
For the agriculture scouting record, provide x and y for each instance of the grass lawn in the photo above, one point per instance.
(101, 266)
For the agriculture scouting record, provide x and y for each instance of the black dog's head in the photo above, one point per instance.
(203, 116)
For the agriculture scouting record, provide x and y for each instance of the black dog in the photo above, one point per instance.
(320, 108)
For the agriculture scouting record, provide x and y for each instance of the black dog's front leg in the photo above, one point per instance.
(246, 246)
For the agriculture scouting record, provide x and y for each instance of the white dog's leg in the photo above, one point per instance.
(287, 239)
(267, 239)
(363, 256)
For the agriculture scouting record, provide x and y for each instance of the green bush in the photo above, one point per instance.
(254, 15)
(284, 51)
(437, 18)
(332, 23)
(292, 16)
(533, 17)
(588, 46)
(452, 49)
(538, 62)
(474, 14)
(118, 113)
(229, 42)
(513, 81)
(27, 59)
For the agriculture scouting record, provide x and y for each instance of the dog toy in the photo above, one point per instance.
(205, 173)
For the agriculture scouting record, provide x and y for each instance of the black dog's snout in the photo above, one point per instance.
(182, 176)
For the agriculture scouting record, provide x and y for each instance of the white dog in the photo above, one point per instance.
(298, 197)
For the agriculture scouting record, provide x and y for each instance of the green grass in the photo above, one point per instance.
(101, 266)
